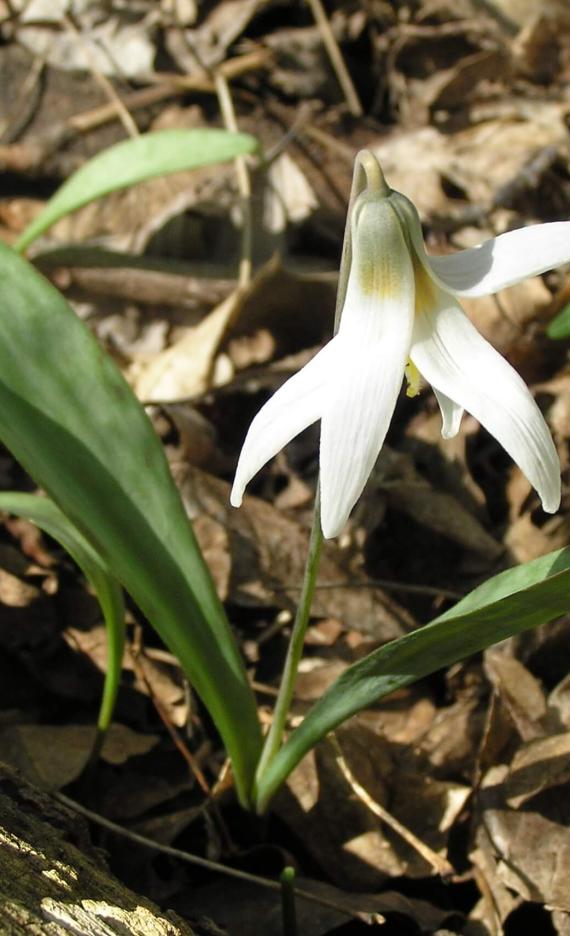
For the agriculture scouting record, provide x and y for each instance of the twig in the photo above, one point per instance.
(101, 79)
(335, 55)
(26, 102)
(136, 655)
(31, 156)
(207, 864)
(386, 584)
(440, 865)
(243, 180)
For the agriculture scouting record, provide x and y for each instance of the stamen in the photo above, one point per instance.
(414, 379)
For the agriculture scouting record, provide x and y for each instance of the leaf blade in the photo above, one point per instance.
(72, 421)
(49, 518)
(136, 160)
(513, 601)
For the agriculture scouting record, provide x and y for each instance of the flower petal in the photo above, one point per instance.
(504, 260)
(451, 414)
(297, 404)
(451, 354)
(374, 339)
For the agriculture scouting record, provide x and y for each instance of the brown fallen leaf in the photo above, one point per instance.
(531, 845)
(250, 326)
(406, 490)
(52, 756)
(267, 551)
(540, 764)
(339, 830)
(249, 911)
(185, 368)
(519, 691)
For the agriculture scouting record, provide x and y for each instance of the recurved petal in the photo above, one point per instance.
(451, 414)
(374, 339)
(454, 358)
(297, 404)
(504, 260)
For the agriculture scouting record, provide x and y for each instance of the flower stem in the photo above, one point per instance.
(275, 734)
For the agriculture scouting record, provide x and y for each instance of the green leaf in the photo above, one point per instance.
(132, 161)
(44, 513)
(559, 327)
(73, 422)
(516, 600)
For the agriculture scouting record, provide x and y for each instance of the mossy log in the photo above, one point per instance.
(53, 881)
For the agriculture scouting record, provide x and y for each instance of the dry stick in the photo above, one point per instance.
(28, 157)
(164, 86)
(103, 82)
(243, 181)
(336, 58)
(189, 858)
(440, 865)
(136, 654)
(386, 584)
(24, 105)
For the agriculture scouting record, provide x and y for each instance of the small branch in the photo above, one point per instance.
(101, 79)
(243, 180)
(335, 55)
(204, 862)
(440, 865)
(386, 584)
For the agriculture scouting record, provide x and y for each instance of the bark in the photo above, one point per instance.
(53, 882)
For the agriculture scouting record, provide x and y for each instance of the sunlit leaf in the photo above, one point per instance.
(72, 421)
(134, 160)
(516, 600)
(44, 513)
(559, 327)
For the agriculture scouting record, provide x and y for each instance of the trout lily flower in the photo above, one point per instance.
(399, 316)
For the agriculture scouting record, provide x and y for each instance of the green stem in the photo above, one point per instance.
(288, 911)
(275, 734)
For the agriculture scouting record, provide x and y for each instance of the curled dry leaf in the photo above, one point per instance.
(478, 161)
(267, 551)
(406, 490)
(519, 691)
(530, 846)
(52, 756)
(267, 307)
(339, 829)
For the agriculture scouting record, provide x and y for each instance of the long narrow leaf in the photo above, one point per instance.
(516, 600)
(132, 161)
(44, 513)
(70, 418)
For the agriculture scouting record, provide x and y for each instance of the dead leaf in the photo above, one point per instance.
(340, 831)
(184, 369)
(406, 490)
(52, 756)
(538, 765)
(519, 691)
(268, 552)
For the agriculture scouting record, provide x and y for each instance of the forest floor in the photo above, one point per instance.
(467, 105)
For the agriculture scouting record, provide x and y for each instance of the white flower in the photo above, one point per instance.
(400, 315)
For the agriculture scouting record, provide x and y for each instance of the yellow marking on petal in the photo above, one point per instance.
(378, 249)
(425, 286)
(379, 278)
(414, 379)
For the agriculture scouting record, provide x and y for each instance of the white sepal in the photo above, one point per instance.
(451, 354)
(297, 404)
(374, 339)
(504, 260)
